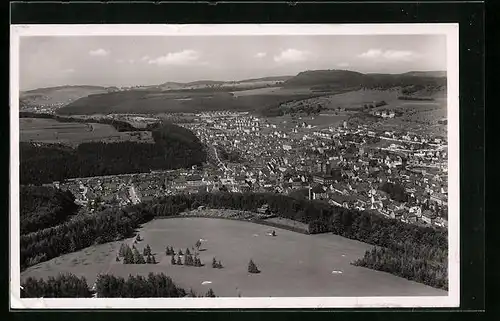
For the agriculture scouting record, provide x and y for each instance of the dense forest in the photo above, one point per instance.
(115, 224)
(421, 263)
(62, 286)
(174, 147)
(42, 207)
(106, 286)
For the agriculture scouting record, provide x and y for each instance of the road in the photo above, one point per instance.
(218, 159)
(133, 195)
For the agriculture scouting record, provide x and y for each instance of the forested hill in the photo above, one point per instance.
(174, 147)
(346, 78)
(43, 207)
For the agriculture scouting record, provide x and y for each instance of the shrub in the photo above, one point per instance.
(252, 268)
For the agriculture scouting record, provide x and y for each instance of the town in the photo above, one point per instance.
(400, 175)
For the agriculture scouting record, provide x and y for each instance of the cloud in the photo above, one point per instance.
(177, 58)
(389, 55)
(68, 71)
(99, 52)
(343, 64)
(145, 58)
(260, 55)
(292, 55)
(131, 61)
(120, 61)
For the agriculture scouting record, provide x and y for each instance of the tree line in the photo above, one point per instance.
(114, 224)
(174, 147)
(106, 286)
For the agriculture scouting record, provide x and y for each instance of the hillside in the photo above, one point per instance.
(155, 102)
(206, 95)
(439, 73)
(277, 78)
(345, 78)
(174, 147)
(43, 207)
(57, 96)
(325, 77)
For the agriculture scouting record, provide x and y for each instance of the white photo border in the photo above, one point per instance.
(450, 30)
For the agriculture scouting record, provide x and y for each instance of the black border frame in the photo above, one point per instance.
(469, 15)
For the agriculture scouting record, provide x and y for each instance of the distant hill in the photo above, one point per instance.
(174, 147)
(49, 90)
(277, 78)
(325, 77)
(58, 96)
(204, 82)
(346, 78)
(208, 95)
(426, 73)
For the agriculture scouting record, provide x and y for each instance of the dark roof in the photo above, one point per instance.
(318, 189)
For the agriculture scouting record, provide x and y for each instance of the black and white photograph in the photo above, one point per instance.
(234, 166)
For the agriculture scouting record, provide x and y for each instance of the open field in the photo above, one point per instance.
(53, 131)
(58, 95)
(185, 101)
(265, 90)
(292, 264)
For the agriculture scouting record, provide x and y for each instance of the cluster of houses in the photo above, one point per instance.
(337, 165)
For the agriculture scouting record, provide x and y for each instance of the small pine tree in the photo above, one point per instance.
(148, 250)
(129, 256)
(138, 238)
(214, 263)
(153, 260)
(148, 259)
(252, 268)
(172, 260)
(210, 293)
(180, 252)
(138, 258)
(191, 293)
(219, 265)
(188, 252)
(198, 244)
(179, 261)
(122, 250)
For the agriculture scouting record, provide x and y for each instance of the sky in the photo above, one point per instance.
(46, 61)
